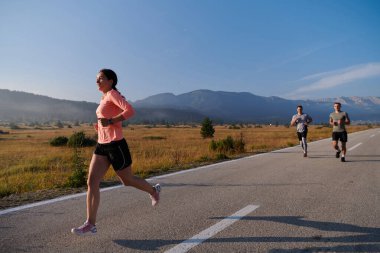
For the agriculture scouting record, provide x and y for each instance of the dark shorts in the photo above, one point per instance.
(302, 134)
(117, 153)
(342, 136)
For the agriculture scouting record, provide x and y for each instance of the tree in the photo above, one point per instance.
(207, 130)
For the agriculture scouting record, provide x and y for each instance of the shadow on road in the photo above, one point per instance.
(367, 241)
(237, 185)
(339, 248)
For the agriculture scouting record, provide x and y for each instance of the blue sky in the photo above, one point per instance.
(292, 49)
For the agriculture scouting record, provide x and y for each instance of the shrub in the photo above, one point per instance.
(79, 139)
(221, 156)
(228, 145)
(59, 141)
(78, 176)
(239, 144)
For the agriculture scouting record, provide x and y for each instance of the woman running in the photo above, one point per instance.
(111, 149)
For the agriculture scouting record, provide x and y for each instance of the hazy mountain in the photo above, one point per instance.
(16, 106)
(247, 107)
(189, 107)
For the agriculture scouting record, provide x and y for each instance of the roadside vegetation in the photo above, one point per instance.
(49, 158)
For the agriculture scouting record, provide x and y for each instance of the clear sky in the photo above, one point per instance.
(292, 49)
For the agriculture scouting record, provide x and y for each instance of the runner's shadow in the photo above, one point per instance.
(286, 152)
(364, 155)
(358, 161)
(157, 244)
(319, 156)
(146, 245)
(339, 248)
(238, 185)
(320, 225)
(369, 237)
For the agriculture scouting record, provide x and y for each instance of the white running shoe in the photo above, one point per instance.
(156, 195)
(86, 229)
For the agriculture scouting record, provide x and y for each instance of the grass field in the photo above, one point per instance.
(28, 163)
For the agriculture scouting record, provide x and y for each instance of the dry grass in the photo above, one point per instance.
(28, 163)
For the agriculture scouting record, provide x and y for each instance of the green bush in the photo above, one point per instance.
(79, 139)
(59, 141)
(78, 176)
(228, 145)
(221, 157)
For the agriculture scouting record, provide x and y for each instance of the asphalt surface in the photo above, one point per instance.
(273, 202)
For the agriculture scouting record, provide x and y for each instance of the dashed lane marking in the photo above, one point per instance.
(357, 145)
(211, 231)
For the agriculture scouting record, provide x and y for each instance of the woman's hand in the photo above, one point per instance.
(105, 122)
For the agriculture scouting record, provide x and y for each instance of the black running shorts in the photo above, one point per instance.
(302, 134)
(342, 136)
(117, 153)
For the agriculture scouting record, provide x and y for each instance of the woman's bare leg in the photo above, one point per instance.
(98, 168)
(129, 179)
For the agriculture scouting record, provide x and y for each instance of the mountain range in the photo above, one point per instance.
(191, 107)
(246, 107)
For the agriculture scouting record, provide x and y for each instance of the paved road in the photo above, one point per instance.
(274, 202)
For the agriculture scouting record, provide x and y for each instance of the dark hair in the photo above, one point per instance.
(111, 75)
(337, 103)
(300, 106)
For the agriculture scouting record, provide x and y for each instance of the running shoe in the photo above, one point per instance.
(342, 159)
(156, 195)
(304, 154)
(337, 154)
(86, 229)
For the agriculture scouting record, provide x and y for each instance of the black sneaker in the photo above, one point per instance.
(337, 154)
(342, 159)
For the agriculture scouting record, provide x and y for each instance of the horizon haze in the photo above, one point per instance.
(190, 107)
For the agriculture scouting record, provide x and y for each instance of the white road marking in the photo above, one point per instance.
(211, 231)
(372, 136)
(357, 145)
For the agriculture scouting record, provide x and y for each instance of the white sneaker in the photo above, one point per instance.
(86, 229)
(156, 195)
